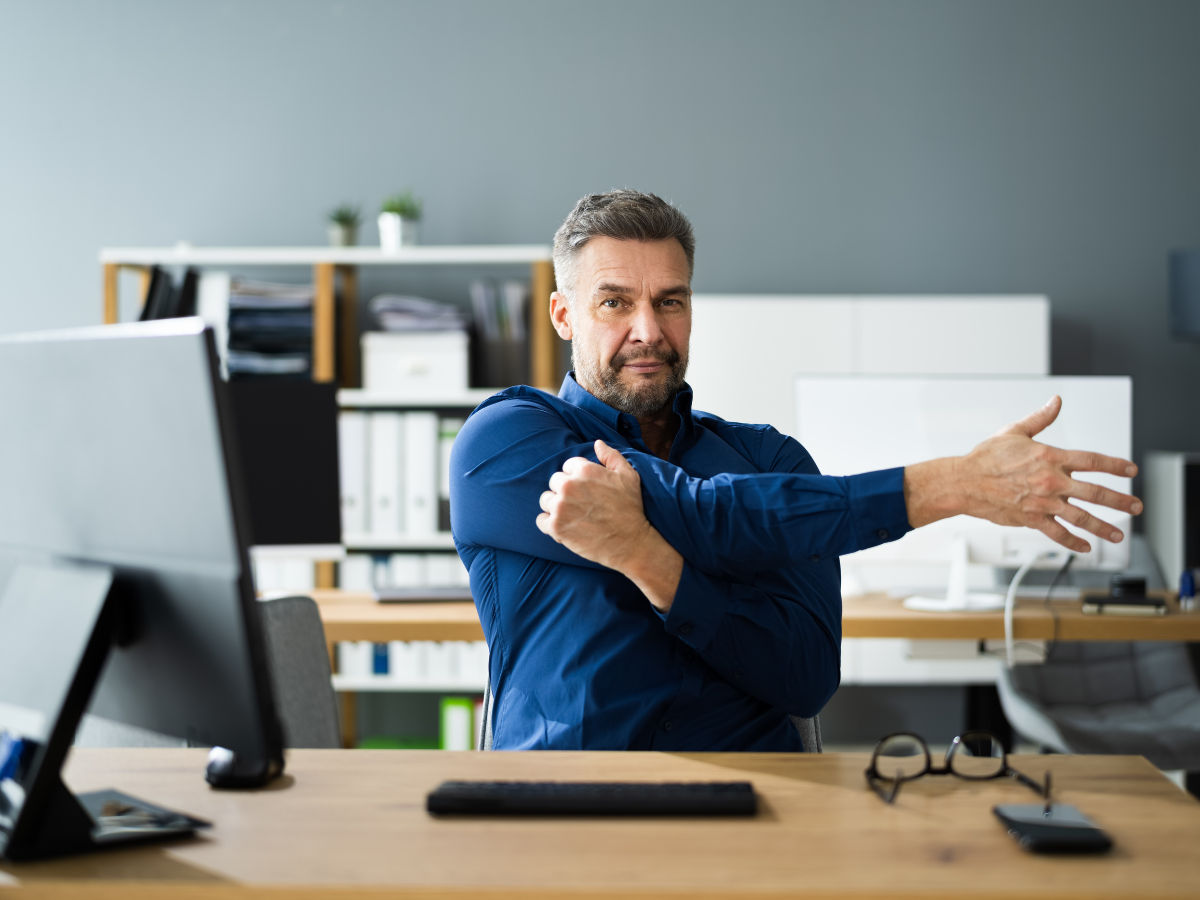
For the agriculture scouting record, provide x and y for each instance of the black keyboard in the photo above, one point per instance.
(594, 798)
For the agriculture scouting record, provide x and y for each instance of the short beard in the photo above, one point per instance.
(646, 399)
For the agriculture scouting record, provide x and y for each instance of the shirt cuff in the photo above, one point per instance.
(698, 609)
(877, 508)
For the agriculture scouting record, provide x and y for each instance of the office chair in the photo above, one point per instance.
(298, 661)
(1135, 697)
(810, 729)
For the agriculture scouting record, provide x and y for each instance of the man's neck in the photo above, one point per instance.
(659, 430)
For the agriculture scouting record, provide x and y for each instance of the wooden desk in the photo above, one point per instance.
(357, 617)
(880, 616)
(352, 823)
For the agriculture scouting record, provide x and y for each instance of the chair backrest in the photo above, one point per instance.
(810, 729)
(298, 660)
(1096, 673)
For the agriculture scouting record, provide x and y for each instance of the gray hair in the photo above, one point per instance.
(625, 215)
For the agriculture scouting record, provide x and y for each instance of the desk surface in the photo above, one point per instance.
(352, 616)
(356, 819)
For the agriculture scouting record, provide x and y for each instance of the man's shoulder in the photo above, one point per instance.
(770, 449)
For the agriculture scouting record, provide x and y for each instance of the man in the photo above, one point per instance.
(680, 587)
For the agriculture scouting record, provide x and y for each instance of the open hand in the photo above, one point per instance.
(1011, 479)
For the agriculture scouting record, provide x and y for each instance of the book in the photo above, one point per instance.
(352, 471)
(386, 477)
(420, 473)
(1125, 606)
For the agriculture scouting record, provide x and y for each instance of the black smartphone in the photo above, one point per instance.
(1058, 828)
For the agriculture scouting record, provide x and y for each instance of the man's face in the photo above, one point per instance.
(630, 323)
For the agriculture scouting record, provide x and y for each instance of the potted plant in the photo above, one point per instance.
(398, 221)
(343, 225)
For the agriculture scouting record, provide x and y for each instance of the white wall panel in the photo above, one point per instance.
(954, 336)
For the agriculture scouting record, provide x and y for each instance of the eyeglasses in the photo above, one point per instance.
(976, 756)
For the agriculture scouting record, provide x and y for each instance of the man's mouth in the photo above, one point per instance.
(644, 366)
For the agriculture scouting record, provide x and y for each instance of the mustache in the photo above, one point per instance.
(669, 357)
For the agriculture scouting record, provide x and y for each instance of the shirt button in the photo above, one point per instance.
(624, 426)
(689, 655)
(882, 534)
(816, 557)
(686, 628)
(668, 725)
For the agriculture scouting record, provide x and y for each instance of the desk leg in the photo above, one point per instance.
(349, 719)
(323, 348)
(111, 298)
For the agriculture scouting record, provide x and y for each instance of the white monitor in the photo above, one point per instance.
(856, 424)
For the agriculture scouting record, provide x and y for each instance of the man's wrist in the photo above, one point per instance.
(932, 490)
(655, 567)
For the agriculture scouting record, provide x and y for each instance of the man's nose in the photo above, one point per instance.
(644, 329)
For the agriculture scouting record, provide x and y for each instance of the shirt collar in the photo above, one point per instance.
(572, 393)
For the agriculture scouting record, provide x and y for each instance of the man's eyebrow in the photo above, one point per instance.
(610, 287)
(671, 291)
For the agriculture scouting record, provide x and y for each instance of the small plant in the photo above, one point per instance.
(405, 205)
(347, 215)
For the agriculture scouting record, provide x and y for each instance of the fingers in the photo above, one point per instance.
(610, 457)
(575, 465)
(1102, 496)
(1036, 422)
(1083, 519)
(548, 500)
(1057, 533)
(543, 524)
(1084, 461)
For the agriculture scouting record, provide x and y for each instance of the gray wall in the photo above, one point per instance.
(818, 146)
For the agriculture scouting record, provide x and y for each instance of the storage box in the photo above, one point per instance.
(415, 364)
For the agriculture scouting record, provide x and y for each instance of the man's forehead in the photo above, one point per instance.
(609, 261)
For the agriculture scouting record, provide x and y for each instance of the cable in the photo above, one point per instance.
(1010, 602)
(1050, 606)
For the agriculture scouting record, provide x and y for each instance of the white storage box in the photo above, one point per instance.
(415, 364)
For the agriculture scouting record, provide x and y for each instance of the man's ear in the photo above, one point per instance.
(560, 315)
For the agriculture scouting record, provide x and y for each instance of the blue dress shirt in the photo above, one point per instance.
(580, 660)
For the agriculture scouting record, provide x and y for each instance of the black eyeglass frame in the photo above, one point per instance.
(875, 779)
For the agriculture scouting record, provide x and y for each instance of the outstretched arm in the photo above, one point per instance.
(596, 510)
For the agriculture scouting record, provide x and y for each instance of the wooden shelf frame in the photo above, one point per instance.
(329, 264)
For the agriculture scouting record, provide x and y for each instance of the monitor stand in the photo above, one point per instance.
(957, 598)
(80, 609)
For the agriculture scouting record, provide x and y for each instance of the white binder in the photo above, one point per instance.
(352, 464)
(386, 481)
(421, 473)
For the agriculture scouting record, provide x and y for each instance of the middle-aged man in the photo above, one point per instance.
(653, 577)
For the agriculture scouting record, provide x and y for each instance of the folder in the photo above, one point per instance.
(420, 473)
(385, 481)
(448, 430)
(352, 466)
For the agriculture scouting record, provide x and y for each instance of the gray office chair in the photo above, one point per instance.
(1135, 697)
(810, 729)
(298, 662)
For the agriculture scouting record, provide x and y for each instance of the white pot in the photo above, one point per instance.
(389, 232)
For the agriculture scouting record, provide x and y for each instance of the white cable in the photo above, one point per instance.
(1010, 602)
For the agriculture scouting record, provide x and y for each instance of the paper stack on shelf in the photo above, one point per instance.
(396, 313)
(412, 576)
(270, 329)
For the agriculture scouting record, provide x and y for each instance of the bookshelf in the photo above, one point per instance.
(331, 264)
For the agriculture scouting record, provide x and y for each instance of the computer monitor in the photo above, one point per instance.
(858, 424)
(118, 458)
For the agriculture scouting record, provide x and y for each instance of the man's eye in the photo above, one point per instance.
(611, 303)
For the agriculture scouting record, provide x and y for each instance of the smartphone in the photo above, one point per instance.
(1061, 828)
